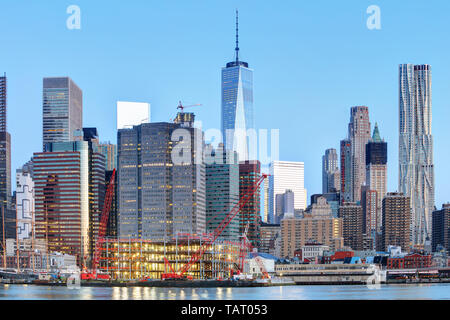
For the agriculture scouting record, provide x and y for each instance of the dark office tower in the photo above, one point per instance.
(62, 109)
(346, 171)
(396, 221)
(376, 172)
(270, 234)
(3, 103)
(441, 228)
(222, 191)
(353, 225)
(159, 198)
(359, 135)
(237, 104)
(330, 171)
(7, 221)
(249, 174)
(69, 191)
(369, 200)
(111, 228)
(5, 149)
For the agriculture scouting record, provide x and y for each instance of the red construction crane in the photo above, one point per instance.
(181, 107)
(243, 249)
(225, 222)
(101, 234)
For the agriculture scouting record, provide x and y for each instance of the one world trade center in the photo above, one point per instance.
(237, 106)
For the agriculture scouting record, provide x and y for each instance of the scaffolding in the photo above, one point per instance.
(137, 259)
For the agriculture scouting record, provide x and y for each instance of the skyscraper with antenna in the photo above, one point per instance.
(237, 105)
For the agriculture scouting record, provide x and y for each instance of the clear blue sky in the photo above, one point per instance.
(312, 61)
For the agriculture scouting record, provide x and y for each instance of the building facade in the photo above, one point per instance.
(346, 171)
(396, 221)
(359, 135)
(5, 148)
(62, 110)
(333, 200)
(237, 105)
(157, 197)
(286, 175)
(416, 166)
(112, 224)
(330, 171)
(109, 151)
(24, 204)
(249, 174)
(376, 172)
(353, 225)
(369, 203)
(3, 102)
(222, 192)
(270, 233)
(69, 195)
(297, 232)
(441, 228)
(284, 205)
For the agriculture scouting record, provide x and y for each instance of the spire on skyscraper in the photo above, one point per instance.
(237, 37)
(376, 134)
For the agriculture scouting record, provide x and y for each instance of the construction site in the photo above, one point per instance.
(186, 257)
(124, 259)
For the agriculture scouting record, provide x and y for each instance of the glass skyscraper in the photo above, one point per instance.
(62, 109)
(222, 191)
(69, 189)
(159, 199)
(237, 105)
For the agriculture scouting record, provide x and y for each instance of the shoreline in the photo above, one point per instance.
(222, 284)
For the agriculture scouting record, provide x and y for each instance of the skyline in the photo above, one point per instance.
(180, 80)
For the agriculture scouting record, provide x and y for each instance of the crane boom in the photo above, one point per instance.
(225, 222)
(181, 107)
(102, 228)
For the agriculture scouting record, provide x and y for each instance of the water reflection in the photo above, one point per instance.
(115, 293)
(390, 292)
(219, 293)
(137, 293)
(229, 294)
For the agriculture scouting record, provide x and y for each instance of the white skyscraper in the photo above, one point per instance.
(287, 175)
(131, 114)
(416, 169)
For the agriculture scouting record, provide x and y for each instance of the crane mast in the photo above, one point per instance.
(197, 255)
(101, 233)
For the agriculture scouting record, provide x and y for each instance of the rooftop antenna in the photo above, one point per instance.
(237, 36)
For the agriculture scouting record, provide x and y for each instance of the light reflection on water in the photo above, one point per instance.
(31, 292)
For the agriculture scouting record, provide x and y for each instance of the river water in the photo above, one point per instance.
(350, 292)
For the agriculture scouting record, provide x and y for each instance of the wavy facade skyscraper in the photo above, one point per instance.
(416, 168)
